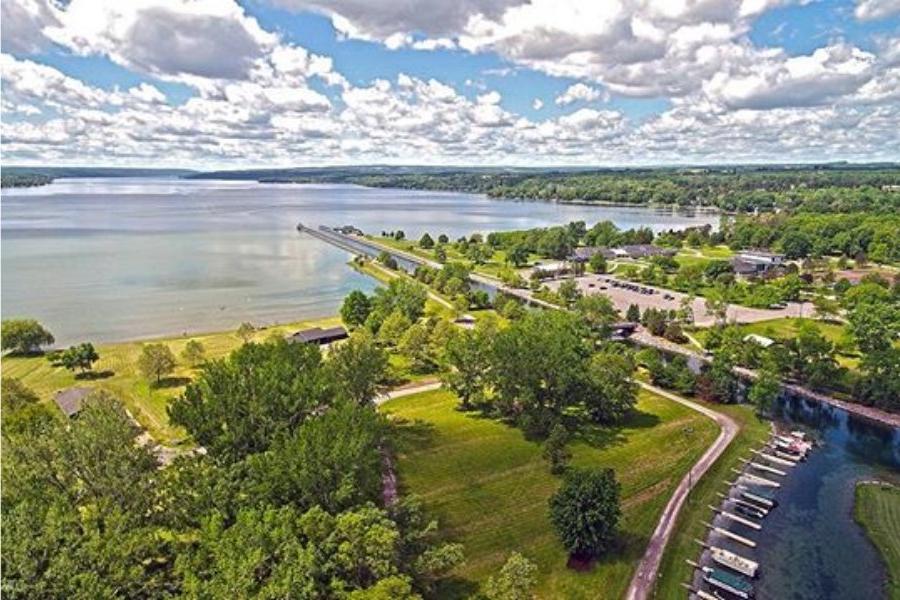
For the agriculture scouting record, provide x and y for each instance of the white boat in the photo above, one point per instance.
(742, 565)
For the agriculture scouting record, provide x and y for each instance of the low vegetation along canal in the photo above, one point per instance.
(810, 547)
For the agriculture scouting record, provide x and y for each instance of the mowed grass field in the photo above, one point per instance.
(119, 375)
(877, 509)
(489, 487)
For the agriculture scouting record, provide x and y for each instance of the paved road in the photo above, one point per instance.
(409, 390)
(645, 576)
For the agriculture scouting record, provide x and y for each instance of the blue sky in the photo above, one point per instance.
(308, 82)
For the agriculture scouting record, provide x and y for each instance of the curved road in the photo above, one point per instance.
(645, 575)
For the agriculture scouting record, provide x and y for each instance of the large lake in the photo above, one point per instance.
(116, 259)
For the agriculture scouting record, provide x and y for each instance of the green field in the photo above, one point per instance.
(877, 509)
(673, 570)
(781, 329)
(489, 486)
(119, 374)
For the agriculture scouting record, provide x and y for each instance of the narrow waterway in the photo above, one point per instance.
(810, 547)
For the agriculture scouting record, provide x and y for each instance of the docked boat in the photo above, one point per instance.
(760, 496)
(749, 511)
(731, 583)
(742, 565)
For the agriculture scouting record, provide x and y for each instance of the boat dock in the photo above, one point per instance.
(748, 500)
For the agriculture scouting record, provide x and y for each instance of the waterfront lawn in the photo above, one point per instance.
(673, 570)
(116, 372)
(489, 487)
(877, 509)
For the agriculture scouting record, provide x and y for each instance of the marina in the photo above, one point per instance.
(748, 502)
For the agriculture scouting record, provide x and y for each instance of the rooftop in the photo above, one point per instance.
(71, 400)
(317, 335)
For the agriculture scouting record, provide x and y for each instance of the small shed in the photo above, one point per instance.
(317, 335)
(71, 400)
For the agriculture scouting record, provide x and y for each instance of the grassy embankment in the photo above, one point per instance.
(673, 570)
(489, 486)
(117, 372)
(877, 509)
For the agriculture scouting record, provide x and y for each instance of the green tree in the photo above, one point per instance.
(517, 255)
(82, 357)
(359, 367)
(238, 405)
(332, 460)
(633, 314)
(400, 294)
(426, 242)
(440, 254)
(554, 243)
(612, 394)
(555, 451)
(597, 312)
(155, 361)
(415, 345)
(355, 309)
(598, 263)
(246, 331)
(765, 390)
(468, 360)
(515, 581)
(24, 336)
(15, 395)
(393, 328)
(585, 511)
(194, 353)
(569, 292)
(539, 365)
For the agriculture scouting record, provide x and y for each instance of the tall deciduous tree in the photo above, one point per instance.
(240, 404)
(585, 511)
(24, 336)
(355, 308)
(194, 353)
(155, 361)
(515, 581)
(359, 367)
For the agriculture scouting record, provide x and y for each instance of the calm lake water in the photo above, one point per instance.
(115, 259)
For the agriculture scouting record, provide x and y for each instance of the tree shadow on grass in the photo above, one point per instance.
(456, 587)
(413, 435)
(171, 382)
(604, 436)
(94, 375)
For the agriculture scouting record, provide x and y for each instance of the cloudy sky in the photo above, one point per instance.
(241, 83)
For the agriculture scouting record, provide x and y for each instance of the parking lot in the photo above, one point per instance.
(624, 293)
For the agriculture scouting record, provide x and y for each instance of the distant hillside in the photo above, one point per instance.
(68, 172)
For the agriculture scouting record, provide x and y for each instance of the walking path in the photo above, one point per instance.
(409, 390)
(645, 575)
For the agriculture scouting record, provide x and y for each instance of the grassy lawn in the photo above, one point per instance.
(673, 569)
(489, 486)
(877, 509)
(781, 329)
(118, 364)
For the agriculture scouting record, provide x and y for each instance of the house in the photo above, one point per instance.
(645, 251)
(762, 257)
(553, 269)
(586, 253)
(71, 400)
(755, 263)
(319, 336)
